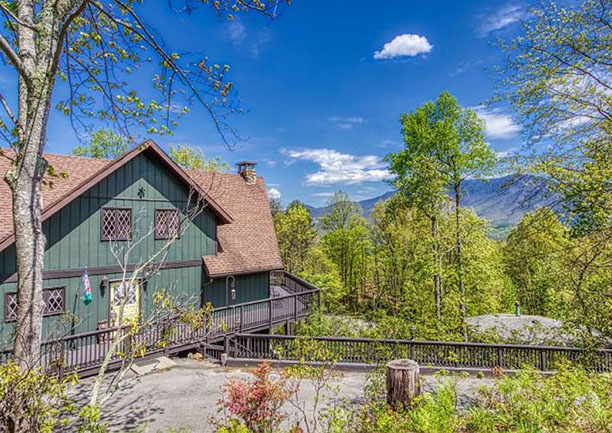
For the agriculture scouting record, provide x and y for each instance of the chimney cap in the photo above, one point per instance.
(246, 163)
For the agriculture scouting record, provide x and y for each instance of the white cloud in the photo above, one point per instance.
(504, 153)
(387, 143)
(270, 162)
(274, 194)
(254, 42)
(499, 124)
(261, 39)
(406, 45)
(346, 122)
(341, 168)
(574, 122)
(464, 66)
(503, 17)
(236, 32)
(326, 194)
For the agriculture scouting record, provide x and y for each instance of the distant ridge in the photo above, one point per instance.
(502, 201)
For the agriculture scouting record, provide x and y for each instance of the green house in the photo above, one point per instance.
(225, 251)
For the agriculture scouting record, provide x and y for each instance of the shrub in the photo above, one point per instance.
(571, 400)
(32, 401)
(256, 404)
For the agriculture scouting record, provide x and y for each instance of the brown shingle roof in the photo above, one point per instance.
(249, 243)
(247, 240)
(78, 169)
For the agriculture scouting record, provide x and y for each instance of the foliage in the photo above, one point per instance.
(346, 244)
(296, 236)
(103, 144)
(34, 401)
(194, 159)
(31, 401)
(569, 401)
(534, 261)
(319, 324)
(444, 144)
(257, 404)
(557, 79)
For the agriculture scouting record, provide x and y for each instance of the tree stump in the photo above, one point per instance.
(403, 383)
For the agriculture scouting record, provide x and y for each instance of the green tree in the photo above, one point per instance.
(447, 144)
(103, 144)
(557, 79)
(194, 159)
(398, 262)
(296, 236)
(342, 212)
(534, 256)
(346, 243)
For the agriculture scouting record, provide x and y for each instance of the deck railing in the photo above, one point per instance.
(86, 352)
(426, 353)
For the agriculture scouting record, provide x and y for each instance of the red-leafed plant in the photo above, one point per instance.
(258, 403)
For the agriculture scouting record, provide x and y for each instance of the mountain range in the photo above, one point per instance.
(502, 201)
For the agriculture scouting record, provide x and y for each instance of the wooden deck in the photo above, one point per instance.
(86, 352)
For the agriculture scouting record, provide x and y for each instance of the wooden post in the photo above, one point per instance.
(403, 383)
(226, 345)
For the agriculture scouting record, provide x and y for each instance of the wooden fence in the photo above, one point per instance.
(427, 353)
(85, 352)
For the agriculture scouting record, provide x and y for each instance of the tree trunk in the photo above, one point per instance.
(403, 383)
(460, 260)
(435, 233)
(29, 242)
(26, 179)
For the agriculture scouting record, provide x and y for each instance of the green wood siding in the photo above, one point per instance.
(183, 283)
(248, 288)
(73, 242)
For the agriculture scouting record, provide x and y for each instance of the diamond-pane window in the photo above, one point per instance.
(52, 297)
(167, 223)
(10, 306)
(116, 224)
(125, 294)
(54, 300)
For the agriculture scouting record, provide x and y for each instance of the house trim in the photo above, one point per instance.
(242, 272)
(101, 270)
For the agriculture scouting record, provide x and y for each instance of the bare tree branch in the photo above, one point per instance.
(6, 47)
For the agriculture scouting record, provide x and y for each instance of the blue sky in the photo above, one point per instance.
(325, 84)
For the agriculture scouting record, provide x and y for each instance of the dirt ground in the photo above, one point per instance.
(186, 395)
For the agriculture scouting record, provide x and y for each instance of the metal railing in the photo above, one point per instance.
(426, 353)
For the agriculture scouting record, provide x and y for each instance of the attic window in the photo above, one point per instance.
(167, 223)
(116, 224)
(52, 297)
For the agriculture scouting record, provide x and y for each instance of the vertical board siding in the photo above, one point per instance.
(248, 288)
(184, 284)
(73, 242)
(73, 234)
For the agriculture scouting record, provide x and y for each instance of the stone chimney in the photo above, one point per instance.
(246, 169)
